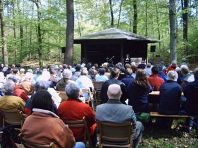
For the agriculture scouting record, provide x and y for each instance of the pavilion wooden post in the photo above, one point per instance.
(122, 52)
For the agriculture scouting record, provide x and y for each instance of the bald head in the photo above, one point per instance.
(114, 91)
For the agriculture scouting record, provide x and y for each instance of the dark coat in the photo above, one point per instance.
(105, 86)
(191, 93)
(170, 95)
(127, 80)
(138, 97)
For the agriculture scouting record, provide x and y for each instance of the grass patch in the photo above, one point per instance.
(162, 138)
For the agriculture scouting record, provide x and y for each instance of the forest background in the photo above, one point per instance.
(35, 30)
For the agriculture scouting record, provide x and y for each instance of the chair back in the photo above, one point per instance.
(80, 124)
(97, 90)
(89, 94)
(97, 85)
(29, 144)
(12, 117)
(115, 134)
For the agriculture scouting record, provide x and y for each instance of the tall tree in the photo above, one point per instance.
(111, 12)
(146, 19)
(39, 36)
(4, 45)
(68, 56)
(135, 15)
(185, 10)
(120, 10)
(158, 24)
(172, 19)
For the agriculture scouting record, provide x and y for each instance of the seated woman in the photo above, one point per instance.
(138, 91)
(43, 126)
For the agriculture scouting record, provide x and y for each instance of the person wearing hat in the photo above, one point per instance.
(67, 74)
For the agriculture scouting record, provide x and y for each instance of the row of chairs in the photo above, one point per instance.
(110, 134)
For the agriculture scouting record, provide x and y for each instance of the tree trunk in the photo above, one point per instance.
(111, 11)
(4, 46)
(120, 10)
(185, 9)
(39, 38)
(14, 32)
(135, 16)
(172, 19)
(146, 19)
(69, 32)
(158, 25)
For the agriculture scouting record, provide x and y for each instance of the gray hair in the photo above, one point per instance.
(184, 69)
(72, 90)
(9, 86)
(41, 85)
(172, 75)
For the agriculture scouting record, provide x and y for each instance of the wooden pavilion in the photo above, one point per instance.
(113, 45)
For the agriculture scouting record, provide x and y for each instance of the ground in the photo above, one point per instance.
(161, 138)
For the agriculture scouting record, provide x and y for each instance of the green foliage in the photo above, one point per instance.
(90, 16)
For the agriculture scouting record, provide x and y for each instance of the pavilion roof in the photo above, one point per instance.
(114, 34)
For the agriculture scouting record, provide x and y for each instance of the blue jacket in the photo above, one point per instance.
(127, 80)
(191, 93)
(170, 95)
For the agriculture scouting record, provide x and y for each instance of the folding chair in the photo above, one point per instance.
(90, 95)
(12, 118)
(11, 125)
(77, 124)
(115, 134)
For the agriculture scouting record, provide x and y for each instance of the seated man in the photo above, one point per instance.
(115, 111)
(67, 74)
(170, 99)
(74, 109)
(115, 72)
(170, 95)
(191, 94)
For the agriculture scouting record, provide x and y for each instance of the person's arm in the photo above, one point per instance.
(133, 118)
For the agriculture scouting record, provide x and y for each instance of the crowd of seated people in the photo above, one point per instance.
(136, 82)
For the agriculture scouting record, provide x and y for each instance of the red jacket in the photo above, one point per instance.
(73, 109)
(20, 92)
(155, 82)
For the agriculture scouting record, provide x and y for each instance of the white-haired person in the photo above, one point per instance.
(170, 97)
(84, 82)
(9, 101)
(115, 111)
(186, 76)
(74, 109)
